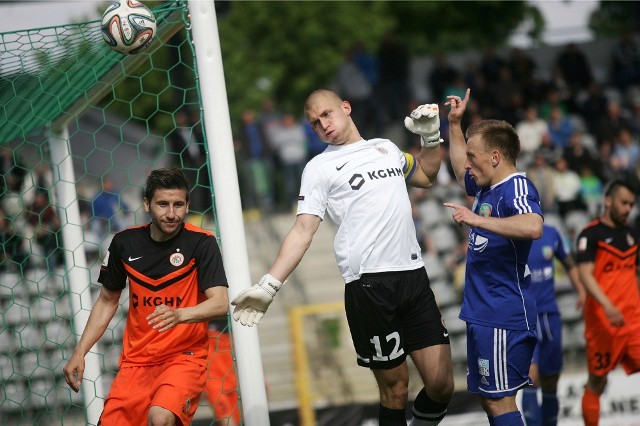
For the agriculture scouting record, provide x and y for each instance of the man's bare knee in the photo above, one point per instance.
(159, 416)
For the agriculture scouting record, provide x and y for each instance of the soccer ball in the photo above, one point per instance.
(128, 26)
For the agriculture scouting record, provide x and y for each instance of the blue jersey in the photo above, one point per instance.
(497, 279)
(542, 269)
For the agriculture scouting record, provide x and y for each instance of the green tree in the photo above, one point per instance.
(613, 18)
(284, 49)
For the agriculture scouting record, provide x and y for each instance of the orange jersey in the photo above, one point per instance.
(175, 273)
(614, 253)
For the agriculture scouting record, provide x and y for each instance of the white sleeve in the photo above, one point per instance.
(314, 192)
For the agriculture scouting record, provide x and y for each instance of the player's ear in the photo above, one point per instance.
(495, 158)
(146, 205)
(346, 106)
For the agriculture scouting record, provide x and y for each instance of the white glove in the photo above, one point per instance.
(252, 303)
(425, 121)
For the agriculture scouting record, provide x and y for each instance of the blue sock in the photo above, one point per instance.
(530, 406)
(550, 409)
(513, 418)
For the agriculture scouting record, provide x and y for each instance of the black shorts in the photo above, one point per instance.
(391, 314)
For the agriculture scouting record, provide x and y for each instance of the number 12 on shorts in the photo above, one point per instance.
(395, 353)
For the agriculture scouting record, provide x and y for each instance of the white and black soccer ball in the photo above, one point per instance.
(128, 26)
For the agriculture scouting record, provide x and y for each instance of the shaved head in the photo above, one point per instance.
(321, 94)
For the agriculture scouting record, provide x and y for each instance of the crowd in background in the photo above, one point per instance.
(577, 132)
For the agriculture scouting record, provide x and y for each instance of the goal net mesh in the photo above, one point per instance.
(119, 117)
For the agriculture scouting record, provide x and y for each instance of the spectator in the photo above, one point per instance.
(542, 175)
(626, 151)
(45, 224)
(13, 256)
(531, 131)
(567, 188)
(12, 177)
(352, 84)
(290, 143)
(109, 211)
(522, 67)
(560, 128)
(593, 106)
(577, 155)
(625, 61)
(590, 189)
(394, 75)
(574, 68)
(508, 89)
(490, 64)
(442, 76)
(188, 153)
(608, 125)
(634, 120)
(552, 98)
(258, 159)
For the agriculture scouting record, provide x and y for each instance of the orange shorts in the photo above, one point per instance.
(605, 350)
(221, 389)
(176, 385)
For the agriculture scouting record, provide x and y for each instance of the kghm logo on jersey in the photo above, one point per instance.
(630, 240)
(176, 259)
(485, 210)
(357, 180)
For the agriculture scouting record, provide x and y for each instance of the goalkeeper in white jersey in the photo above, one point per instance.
(390, 307)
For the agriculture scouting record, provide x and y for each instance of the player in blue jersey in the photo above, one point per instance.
(498, 306)
(547, 357)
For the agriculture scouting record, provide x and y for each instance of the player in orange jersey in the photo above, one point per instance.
(608, 262)
(220, 389)
(177, 284)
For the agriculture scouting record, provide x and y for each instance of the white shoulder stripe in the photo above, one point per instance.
(521, 189)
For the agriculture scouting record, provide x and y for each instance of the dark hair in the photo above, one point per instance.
(612, 187)
(499, 135)
(169, 178)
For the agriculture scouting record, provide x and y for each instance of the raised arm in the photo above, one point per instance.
(457, 143)
(425, 122)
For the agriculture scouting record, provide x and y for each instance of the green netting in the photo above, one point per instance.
(45, 71)
(120, 117)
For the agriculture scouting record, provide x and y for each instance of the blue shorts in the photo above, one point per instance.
(548, 352)
(498, 360)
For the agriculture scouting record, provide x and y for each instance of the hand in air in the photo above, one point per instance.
(425, 121)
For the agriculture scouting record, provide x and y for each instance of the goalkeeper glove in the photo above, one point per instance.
(252, 303)
(425, 121)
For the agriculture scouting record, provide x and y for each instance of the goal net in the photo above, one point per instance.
(80, 128)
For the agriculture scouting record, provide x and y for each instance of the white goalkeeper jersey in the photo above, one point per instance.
(362, 187)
